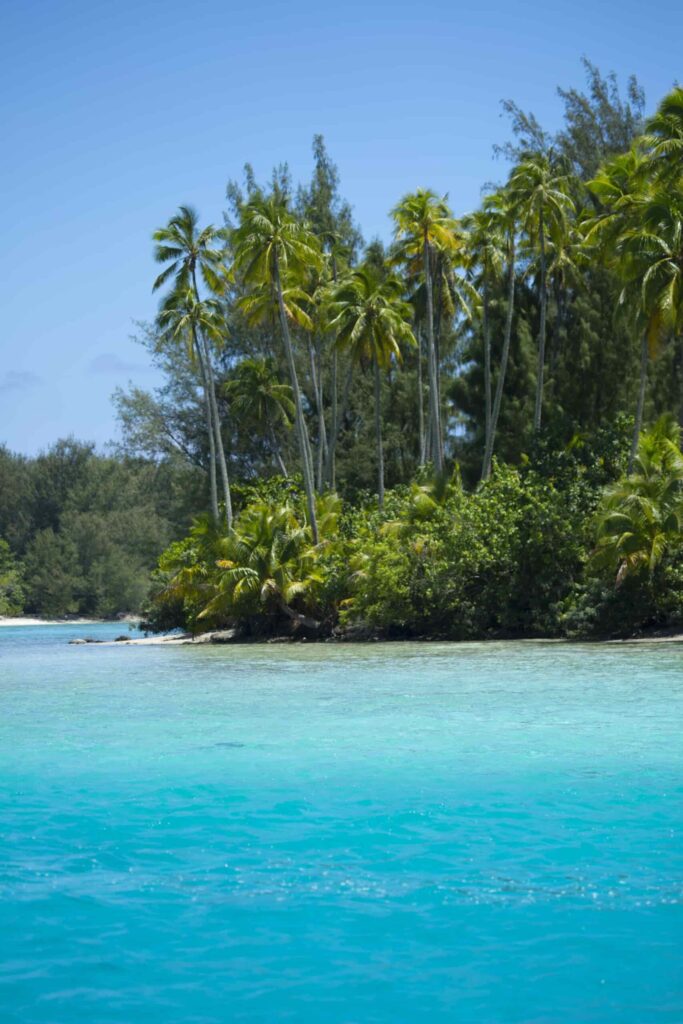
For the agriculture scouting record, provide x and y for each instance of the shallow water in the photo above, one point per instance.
(481, 834)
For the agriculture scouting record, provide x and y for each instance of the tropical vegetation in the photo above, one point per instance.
(471, 431)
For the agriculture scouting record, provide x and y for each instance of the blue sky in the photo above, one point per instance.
(114, 113)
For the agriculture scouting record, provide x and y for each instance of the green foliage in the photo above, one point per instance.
(641, 516)
(88, 529)
(493, 562)
(11, 589)
(264, 574)
(523, 345)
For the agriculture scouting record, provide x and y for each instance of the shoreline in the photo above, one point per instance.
(228, 637)
(29, 620)
(218, 640)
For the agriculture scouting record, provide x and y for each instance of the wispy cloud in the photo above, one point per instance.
(110, 363)
(18, 380)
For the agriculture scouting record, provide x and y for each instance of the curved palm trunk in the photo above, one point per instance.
(298, 618)
(420, 404)
(213, 490)
(437, 452)
(220, 451)
(487, 364)
(215, 417)
(302, 433)
(378, 434)
(488, 454)
(541, 333)
(438, 316)
(638, 426)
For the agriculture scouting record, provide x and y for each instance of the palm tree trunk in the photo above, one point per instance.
(378, 433)
(420, 403)
(487, 364)
(488, 454)
(277, 451)
(302, 433)
(438, 314)
(541, 334)
(213, 490)
(220, 453)
(433, 383)
(332, 447)
(329, 460)
(225, 480)
(638, 425)
(314, 355)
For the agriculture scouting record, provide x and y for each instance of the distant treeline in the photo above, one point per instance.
(80, 531)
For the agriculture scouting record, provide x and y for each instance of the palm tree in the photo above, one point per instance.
(424, 221)
(565, 259)
(650, 255)
(187, 250)
(269, 564)
(663, 139)
(258, 396)
(641, 516)
(540, 194)
(271, 247)
(195, 321)
(487, 250)
(501, 214)
(371, 320)
(618, 188)
(454, 295)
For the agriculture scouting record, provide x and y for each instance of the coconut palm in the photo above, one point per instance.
(651, 252)
(197, 322)
(423, 222)
(641, 516)
(663, 139)
(188, 250)
(271, 247)
(371, 321)
(619, 188)
(269, 564)
(540, 194)
(650, 256)
(487, 243)
(256, 395)
(501, 215)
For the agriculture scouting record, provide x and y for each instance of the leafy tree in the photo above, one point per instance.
(11, 588)
(52, 573)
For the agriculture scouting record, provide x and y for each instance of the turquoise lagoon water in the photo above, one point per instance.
(487, 834)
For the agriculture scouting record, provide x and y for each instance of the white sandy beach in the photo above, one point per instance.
(25, 621)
